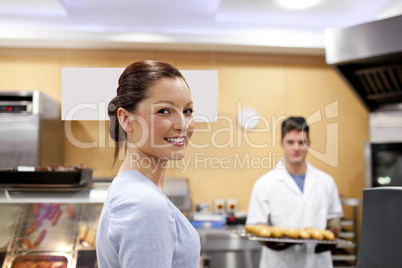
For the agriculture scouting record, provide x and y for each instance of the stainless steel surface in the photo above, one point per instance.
(385, 125)
(19, 136)
(224, 249)
(369, 59)
(363, 41)
(32, 136)
(94, 194)
(178, 192)
(367, 165)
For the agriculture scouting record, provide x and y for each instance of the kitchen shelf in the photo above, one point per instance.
(347, 234)
(347, 222)
(345, 256)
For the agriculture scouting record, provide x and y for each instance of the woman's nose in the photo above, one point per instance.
(179, 123)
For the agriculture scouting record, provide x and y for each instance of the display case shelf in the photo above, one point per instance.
(78, 207)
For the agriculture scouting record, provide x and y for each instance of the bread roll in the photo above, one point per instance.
(329, 235)
(265, 231)
(315, 233)
(252, 229)
(249, 228)
(276, 232)
(291, 232)
(304, 234)
(259, 230)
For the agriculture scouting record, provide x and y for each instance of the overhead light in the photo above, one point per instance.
(298, 4)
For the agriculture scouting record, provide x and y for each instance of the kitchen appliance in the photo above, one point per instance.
(383, 153)
(178, 192)
(369, 59)
(383, 164)
(381, 228)
(30, 130)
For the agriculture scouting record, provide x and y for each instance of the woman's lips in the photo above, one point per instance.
(176, 141)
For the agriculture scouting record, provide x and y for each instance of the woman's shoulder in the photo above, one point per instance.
(133, 183)
(130, 193)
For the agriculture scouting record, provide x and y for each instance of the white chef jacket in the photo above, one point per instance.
(278, 201)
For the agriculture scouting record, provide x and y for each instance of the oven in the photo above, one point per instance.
(30, 130)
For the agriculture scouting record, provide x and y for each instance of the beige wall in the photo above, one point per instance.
(275, 85)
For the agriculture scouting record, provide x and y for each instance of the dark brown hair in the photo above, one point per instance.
(134, 84)
(294, 123)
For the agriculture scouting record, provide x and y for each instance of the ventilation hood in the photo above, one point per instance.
(369, 58)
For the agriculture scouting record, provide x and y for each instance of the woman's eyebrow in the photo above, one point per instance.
(171, 103)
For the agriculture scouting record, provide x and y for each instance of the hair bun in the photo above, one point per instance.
(115, 130)
(112, 107)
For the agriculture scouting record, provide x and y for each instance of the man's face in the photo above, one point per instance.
(294, 145)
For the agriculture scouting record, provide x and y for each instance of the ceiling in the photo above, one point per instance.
(218, 25)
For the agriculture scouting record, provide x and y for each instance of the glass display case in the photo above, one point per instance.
(50, 227)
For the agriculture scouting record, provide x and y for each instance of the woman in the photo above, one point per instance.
(139, 226)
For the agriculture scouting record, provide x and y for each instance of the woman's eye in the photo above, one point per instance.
(188, 111)
(164, 111)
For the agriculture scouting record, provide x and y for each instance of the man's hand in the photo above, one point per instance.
(333, 226)
(324, 247)
(277, 245)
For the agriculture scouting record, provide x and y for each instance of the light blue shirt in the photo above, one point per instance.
(299, 179)
(140, 227)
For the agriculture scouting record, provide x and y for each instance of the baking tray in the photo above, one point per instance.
(43, 259)
(336, 241)
(13, 178)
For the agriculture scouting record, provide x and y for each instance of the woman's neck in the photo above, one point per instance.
(152, 168)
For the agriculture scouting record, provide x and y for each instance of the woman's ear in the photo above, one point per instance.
(125, 119)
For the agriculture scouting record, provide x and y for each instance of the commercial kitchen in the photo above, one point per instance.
(56, 156)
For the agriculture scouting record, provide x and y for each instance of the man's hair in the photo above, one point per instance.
(294, 123)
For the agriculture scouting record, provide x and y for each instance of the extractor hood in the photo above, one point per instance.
(369, 58)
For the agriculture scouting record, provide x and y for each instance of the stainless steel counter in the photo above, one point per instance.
(222, 249)
(95, 193)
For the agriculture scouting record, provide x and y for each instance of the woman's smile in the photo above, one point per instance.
(176, 141)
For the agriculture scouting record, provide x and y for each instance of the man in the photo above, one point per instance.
(297, 195)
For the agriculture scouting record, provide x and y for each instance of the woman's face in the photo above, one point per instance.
(163, 122)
